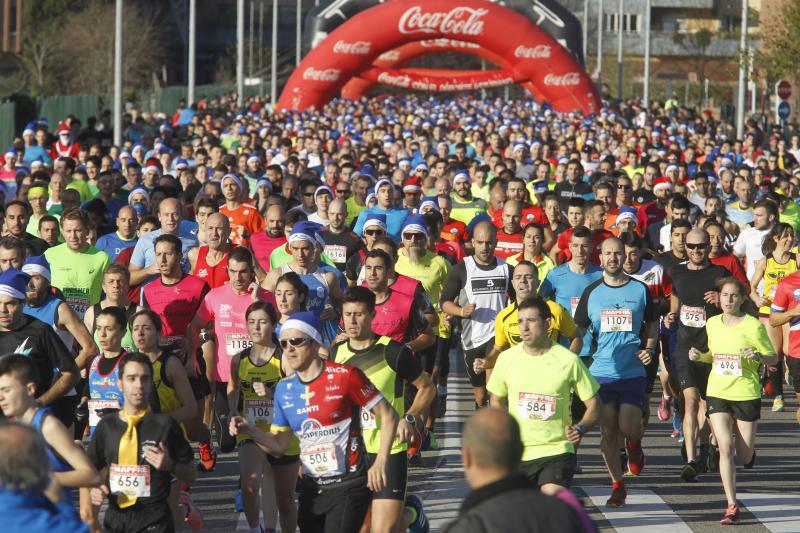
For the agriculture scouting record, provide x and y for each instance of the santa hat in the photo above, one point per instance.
(662, 183)
(63, 129)
(412, 184)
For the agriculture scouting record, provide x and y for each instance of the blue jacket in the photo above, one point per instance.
(32, 512)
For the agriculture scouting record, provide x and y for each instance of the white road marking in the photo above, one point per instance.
(644, 512)
(778, 512)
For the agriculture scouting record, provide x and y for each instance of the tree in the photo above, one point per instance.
(780, 46)
(696, 44)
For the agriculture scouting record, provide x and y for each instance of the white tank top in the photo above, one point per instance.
(488, 290)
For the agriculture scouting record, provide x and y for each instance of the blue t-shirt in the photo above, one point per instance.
(113, 244)
(615, 316)
(144, 253)
(566, 287)
(394, 221)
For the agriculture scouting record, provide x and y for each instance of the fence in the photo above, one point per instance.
(14, 114)
(166, 99)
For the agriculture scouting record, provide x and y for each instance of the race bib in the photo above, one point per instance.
(236, 342)
(368, 420)
(99, 405)
(693, 317)
(132, 481)
(573, 304)
(336, 252)
(258, 411)
(534, 406)
(320, 460)
(616, 320)
(727, 365)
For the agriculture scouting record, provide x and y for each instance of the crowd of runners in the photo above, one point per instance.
(289, 286)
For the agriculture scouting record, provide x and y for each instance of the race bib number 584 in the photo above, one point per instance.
(534, 406)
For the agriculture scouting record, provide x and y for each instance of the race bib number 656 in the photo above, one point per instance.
(132, 481)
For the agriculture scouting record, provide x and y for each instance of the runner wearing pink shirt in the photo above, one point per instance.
(223, 309)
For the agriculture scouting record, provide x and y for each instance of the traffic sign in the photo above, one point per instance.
(784, 109)
(784, 89)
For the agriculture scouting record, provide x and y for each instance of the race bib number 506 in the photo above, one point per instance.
(320, 460)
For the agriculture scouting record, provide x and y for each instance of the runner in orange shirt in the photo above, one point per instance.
(244, 218)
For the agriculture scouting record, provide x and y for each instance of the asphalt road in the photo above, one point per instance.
(658, 501)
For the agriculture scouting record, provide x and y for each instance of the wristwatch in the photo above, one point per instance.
(411, 419)
(580, 428)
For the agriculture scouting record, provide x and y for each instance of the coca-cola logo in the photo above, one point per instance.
(540, 51)
(328, 74)
(446, 43)
(563, 80)
(457, 21)
(391, 55)
(357, 48)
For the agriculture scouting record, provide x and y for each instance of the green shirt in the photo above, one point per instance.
(79, 275)
(281, 256)
(353, 210)
(537, 388)
(388, 365)
(466, 211)
(791, 216)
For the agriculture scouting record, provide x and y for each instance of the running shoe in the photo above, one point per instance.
(429, 441)
(193, 518)
(731, 516)
(752, 462)
(689, 472)
(777, 405)
(635, 458)
(238, 506)
(617, 498)
(420, 524)
(208, 458)
(664, 408)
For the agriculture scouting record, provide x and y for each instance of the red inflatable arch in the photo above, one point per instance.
(394, 59)
(530, 54)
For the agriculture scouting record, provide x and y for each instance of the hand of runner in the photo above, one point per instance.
(406, 432)
(750, 353)
(158, 457)
(467, 310)
(329, 313)
(98, 494)
(376, 475)
(712, 297)
(253, 290)
(573, 435)
(694, 354)
(262, 390)
(644, 356)
(479, 365)
(239, 426)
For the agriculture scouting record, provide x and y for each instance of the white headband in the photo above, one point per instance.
(300, 326)
(8, 290)
(33, 269)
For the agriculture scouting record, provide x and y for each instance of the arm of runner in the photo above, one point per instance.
(376, 475)
(671, 318)
(234, 387)
(588, 420)
(576, 343)
(482, 364)
(180, 382)
(70, 375)
(83, 473)
(426, 392)
(160, 458)
(271, 280)
(702, 357)
(758, 275)
(197, 324)
(67, 319)
(140, 274)
(192, 256)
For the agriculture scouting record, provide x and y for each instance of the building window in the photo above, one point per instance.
(630, 22)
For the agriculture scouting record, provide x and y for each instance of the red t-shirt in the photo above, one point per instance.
(648, 214)
(176, 304)
(263, 245)
(734, 265)
(787, 295)
(213, 275)
(598, 236)
(508, 244)
(532, 213)
(455, 230)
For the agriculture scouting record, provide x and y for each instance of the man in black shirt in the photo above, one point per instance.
(574, 186)
(15, 224)
(138, 488)
(24, 335)
(677, 238)
(340, 241)
(694, 299)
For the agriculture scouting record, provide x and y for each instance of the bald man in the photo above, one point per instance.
(503, 500)
(209, 262)
(509, 237)
(264, 242)
(125, 236)
(340, 242)
(143, 261)
(475, 291)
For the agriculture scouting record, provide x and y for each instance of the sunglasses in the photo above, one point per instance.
(294, 341)
(342, 191)
(413, 236)
(373, 232)
(308, 194)
(696, 245)
(624, 187)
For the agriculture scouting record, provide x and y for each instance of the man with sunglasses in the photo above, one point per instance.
(321, 404)
(340, 241)
(374, 228)
(694, 299)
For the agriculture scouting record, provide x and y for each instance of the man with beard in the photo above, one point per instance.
(476, 291)
(15, 224)
(619, 315)
(264, 242)
(465, 206)
(695, 298)
(340, 242)
(210, 262)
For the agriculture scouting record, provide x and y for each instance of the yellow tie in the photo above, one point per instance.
(129, 452)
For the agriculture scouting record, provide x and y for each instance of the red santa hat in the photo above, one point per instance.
(662, 183)
(62, 129)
